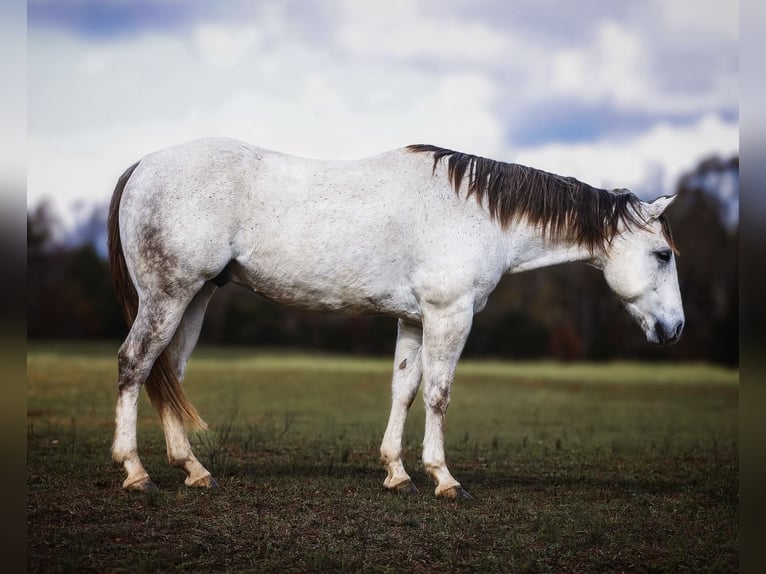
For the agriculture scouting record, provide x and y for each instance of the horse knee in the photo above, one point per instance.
(134, 359)
(127, 363)
(436, 398)
(124, 356)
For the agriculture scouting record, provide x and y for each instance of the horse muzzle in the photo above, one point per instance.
(668, 334)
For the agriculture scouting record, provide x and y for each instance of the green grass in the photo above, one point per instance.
(582, 468)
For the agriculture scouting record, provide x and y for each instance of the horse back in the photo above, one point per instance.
(341, 236)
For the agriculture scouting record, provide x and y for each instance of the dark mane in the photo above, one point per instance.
(563, 207)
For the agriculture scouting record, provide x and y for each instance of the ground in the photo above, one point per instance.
(577, 468)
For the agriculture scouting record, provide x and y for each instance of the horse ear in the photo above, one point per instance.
(654, 209)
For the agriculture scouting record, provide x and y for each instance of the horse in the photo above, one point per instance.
(396, 234)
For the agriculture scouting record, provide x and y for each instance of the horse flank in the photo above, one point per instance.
(564, 208)
(162, 385)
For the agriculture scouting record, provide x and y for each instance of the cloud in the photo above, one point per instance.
(620, 94)
(226, 46)
(116, 102)
(620, 68)
(710, 21)
(614, 68)
(402, 29)
(649, 163)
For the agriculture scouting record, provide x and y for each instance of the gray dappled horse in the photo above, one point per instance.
(396, 234)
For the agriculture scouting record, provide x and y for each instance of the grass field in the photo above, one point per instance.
(576, 468)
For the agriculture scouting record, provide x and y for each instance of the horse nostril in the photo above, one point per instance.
(667, 335)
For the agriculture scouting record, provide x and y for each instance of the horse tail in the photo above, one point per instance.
(162, 384)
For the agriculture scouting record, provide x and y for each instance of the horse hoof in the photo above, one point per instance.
(142, 485)
(206, 481)
(406, 488)
(457, 493)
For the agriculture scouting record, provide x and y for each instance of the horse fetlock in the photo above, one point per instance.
(118, 457)
(196, 474)
(123, 456)
(436, 470)
(395, 476)
(395, 473)
(138, 478)
(186, 463)
(398, 481)
(446, 485)
(389, 455)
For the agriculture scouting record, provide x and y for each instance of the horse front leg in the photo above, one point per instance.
(445, 331)
(404, 387)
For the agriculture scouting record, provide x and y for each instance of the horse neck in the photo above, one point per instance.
(528, 248)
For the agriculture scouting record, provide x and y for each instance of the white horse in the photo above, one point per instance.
(396, 234)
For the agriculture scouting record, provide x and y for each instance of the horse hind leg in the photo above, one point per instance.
(179, 450)
(155, 324)
(404, 387)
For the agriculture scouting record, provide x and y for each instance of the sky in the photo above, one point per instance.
(618, 94)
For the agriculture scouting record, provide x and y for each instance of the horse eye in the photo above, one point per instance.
(663, 255)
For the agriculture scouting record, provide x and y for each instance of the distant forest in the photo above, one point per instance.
(567, 312)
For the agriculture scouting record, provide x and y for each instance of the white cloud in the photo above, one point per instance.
(613, 68)
(649, 163)
(78, 85)
(225, 46)
(388, 74)
(403, 29)
(620, 67)
(707, 20)
(300, 101)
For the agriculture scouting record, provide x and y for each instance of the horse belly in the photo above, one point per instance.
(318, 277)
(332, 295)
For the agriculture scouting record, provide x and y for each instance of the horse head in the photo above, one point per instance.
(639, 266)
